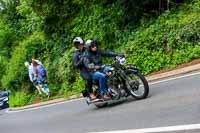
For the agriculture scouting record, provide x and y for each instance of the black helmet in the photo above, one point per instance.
(90, 43)
(78, 41)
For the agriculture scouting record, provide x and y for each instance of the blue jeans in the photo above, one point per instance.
(101, 77)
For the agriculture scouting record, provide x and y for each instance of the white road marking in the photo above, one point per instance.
(179, 77)
(45, 106)
(157, 129)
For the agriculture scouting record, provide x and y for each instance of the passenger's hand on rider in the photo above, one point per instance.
(97, 67)
(91, 66)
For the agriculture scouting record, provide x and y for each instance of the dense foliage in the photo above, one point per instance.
(154, 34)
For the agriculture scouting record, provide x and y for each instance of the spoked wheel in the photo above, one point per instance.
(137, 85)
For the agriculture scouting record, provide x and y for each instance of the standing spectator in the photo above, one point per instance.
(40, 73)
(32, 76)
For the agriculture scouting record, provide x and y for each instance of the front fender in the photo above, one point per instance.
(132, 68)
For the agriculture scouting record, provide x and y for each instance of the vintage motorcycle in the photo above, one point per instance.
(123, 80)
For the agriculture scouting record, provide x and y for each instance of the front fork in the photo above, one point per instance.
(124, 78)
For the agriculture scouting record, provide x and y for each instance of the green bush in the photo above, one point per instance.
(15, 73)
(171, 40)
(19, 99)
(3, 62)
(7, 39)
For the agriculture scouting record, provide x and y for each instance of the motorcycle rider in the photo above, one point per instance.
(93, 62)
(77, 60)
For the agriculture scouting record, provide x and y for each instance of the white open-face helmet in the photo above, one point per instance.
(78, 41)
(90, 43)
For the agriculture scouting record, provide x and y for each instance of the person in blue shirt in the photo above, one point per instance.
(32, 77)
(41, 78)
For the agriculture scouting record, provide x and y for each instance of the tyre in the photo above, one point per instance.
(137, 85)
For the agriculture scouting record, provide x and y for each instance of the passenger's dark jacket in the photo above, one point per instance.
(77, 60)
(96, 58)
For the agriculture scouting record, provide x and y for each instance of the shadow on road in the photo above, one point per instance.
(119, 103)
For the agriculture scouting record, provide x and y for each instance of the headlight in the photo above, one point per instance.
(122, 61)
(6, 99)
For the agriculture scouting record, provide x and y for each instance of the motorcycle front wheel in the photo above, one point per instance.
(137, 85)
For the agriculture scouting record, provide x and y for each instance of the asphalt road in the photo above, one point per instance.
(170, 103)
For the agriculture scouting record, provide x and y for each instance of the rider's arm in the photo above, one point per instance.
(108, 53)
(76, 60)
(88, 64)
